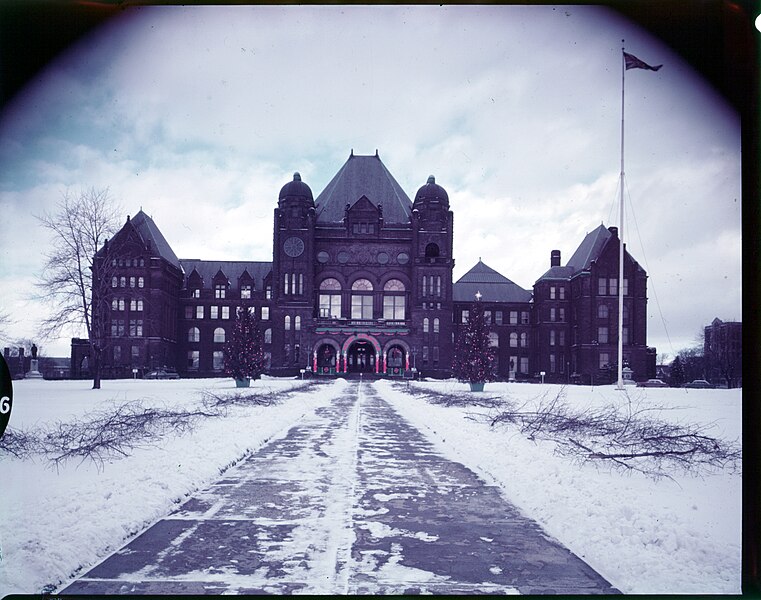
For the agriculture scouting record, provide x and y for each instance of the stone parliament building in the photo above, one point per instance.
(361, 281)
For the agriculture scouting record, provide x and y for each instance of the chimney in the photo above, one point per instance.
(614, 231)
(555, 258)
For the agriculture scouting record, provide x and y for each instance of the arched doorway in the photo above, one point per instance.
(325, 359)
(361, 357)
(396, 361)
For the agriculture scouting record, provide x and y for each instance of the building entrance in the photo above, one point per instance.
(326, 360)
(361, 357)
(395, 361)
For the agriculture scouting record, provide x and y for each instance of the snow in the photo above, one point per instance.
(680, 535)
(55, 522)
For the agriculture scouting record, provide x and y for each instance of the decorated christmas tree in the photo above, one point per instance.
(244, 354)
(474, 357)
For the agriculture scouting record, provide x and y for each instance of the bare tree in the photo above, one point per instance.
(81, 226)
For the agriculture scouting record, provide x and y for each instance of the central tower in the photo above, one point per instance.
(367, 273)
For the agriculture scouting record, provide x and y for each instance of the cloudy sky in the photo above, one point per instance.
(198, 115)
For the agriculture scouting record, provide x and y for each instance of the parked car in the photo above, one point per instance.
(698, 383)
(164, 373)
(652, 383)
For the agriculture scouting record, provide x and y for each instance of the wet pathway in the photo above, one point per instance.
(352, 500)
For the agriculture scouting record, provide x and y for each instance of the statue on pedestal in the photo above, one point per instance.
(34, 367)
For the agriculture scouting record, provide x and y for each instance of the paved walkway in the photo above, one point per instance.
(351, 500)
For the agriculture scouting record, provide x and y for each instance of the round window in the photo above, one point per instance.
(323, 257)
(382, 258)
(343, 257)
(402, 258)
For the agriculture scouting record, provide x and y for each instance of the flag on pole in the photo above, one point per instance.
(632, 62)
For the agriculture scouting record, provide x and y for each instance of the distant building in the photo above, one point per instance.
(722, 352)
(361, 281)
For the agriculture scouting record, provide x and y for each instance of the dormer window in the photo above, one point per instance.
(360, 228)
(220, 290)
(245, 291)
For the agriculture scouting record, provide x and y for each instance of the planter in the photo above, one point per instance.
(241, 383)
(476, 387)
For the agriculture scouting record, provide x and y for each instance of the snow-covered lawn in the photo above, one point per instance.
(56, 521)
(644, 536)
(680, 535)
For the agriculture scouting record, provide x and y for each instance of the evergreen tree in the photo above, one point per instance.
(676, 377)
(474, 357)
(244, 352)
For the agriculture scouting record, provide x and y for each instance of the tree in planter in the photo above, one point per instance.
(244, 352)
(474, 356)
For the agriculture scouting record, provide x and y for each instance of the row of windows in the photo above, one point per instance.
(557, 292)
(135, 305)
(220, 335)
(122, 282)
(134, 352)
(294, 284)
(119, 327)
(296, 323)
(220, 291)
(433, 356)
(220, 312)
(604, 311)
(363, 285)
(128, 262)
(603, 336)
(363, 228)
(217, 360)
(499, 317)
(432, 285)
(427, 323)
(609, 287)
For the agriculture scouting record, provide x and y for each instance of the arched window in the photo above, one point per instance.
(432, 250)
(494, 340)
(425, 325)
(330, 284)
(297, 323)
(268, 336)
(287, 322)
(436, 325)
(513, 340)
(194, 334)
(362, 303)
(219, 335)
(362, 285)
(394, 285)
(524, 340)
(330, 298)
(394, 300)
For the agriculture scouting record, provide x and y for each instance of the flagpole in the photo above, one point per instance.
(620, 385)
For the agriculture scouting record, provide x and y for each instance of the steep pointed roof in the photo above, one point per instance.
(494, 286)
(151, 234)
(589, 249)
(363, 176)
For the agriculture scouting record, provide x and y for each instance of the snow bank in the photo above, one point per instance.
(644, 536)
(55, 522)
